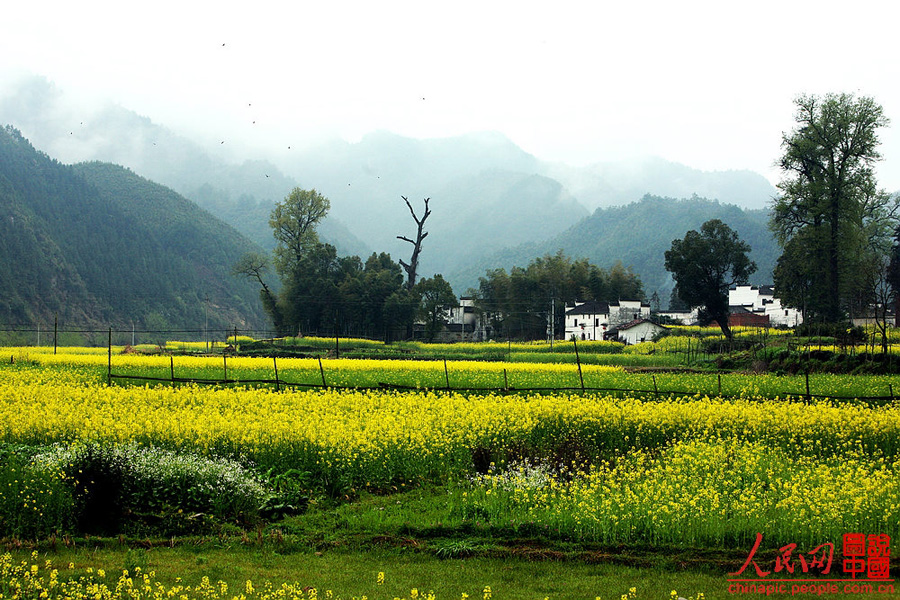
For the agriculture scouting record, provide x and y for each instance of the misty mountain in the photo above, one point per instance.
(618, 183)
(638, 234)
(241, 194)
(98, 245)
(486, 193)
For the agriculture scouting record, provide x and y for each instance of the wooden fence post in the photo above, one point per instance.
(275, 362)
(446, 374)
(109, 360)
(578, 361)
(322, 371)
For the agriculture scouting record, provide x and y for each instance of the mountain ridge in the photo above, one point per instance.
(98, 245)
(608, 236)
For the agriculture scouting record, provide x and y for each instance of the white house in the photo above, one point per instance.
(684, 317)
(762, 301)
(587, 320)
(625, 311)
(590, 320)
(635, 332)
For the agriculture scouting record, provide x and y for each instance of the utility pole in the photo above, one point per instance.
(206, 325)
(551, 322)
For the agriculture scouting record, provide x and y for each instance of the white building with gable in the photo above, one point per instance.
(761, 300)
(591, 320)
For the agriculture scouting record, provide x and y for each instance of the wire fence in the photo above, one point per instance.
(657, 392)
(235, 333)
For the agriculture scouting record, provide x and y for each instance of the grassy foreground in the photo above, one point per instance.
(374, 574)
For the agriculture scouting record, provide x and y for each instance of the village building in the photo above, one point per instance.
(679, 317)
(591, 320)
(876, 315)
(635, 332)
(758, 306)
(465, 324)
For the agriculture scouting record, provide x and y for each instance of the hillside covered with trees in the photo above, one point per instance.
(637, 235)
(97, 245)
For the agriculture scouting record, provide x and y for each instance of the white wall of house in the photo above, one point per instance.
(685, 317)
(641, 332)
(762, 300)
(586, 326)
(626, 311)
(744, 295)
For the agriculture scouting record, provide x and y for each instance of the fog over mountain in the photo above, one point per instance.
(486, 193)
(602, 185)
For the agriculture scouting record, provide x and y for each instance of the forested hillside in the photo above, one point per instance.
(97, 245)
(638, 235)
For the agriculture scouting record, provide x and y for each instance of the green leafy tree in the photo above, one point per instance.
(399, 312)
(706, 264)
(294, 221)
(831, 219)
(436, 296)
(381, 278)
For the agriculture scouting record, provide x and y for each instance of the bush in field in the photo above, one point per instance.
(120, 487)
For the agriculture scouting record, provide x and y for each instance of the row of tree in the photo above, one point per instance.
(838, 232)
(322, 292)
(524, 302)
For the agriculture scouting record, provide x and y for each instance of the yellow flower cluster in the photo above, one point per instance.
(460, 374)
(702, 493)
(338, 372)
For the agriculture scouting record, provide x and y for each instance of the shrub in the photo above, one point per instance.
(118, 486)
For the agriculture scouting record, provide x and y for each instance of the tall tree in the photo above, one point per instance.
(413, 266)
(830, 202)
(294, 221)
(706, 264)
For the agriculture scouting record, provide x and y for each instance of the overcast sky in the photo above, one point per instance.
(707, 84)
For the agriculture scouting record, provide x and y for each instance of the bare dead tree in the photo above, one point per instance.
(254, 266)
(413, 265)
